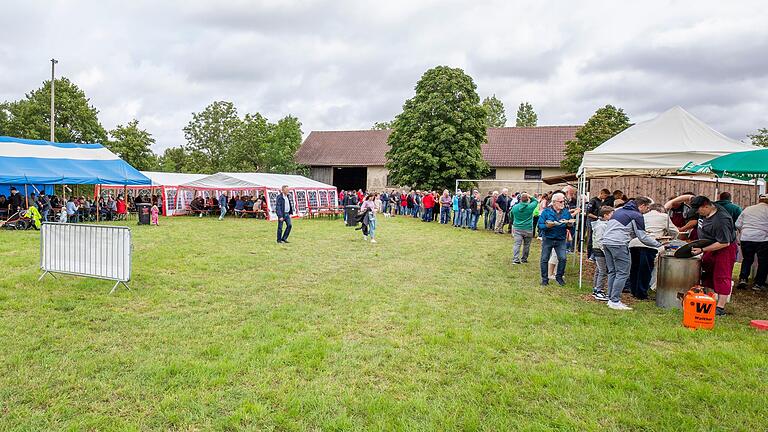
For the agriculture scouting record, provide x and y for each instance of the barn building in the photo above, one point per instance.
(521, 156)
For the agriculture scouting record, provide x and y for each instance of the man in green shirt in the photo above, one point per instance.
(726, 203)
(523, 225)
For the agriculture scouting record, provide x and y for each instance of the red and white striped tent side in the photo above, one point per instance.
(306, 194)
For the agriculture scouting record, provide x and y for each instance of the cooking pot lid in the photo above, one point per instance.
(686, 252)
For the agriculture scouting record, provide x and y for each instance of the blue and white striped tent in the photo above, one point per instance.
(24, 161)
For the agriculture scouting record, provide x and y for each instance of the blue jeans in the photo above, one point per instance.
(282, 236)
(547, 245)
(473, 220)
(402, 209)
(427, 216)
(465, 217)
(371, 227)
(618, 263)
(445, 215)
(456, 217)
(223, 212)
(415, 211)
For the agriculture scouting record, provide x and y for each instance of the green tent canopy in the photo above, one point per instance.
(746, 165)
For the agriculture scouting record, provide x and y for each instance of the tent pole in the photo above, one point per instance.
(717, 188)
(581, 249)
(26, 196)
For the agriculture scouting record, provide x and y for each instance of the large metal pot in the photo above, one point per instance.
(675, 275)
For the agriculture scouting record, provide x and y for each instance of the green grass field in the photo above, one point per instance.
(430, 329)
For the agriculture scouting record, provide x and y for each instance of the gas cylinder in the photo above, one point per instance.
(699, 309)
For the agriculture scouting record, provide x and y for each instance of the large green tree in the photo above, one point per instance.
(495, 116)
(249, 147)
(265, 147)
(175, 159)
(4, 117)
(760, 138)
(76, 120)
(526, 116)
(607, 122)
(219, 140)
(212, 133)
(283, 144)
(437, 137)
(133, 145)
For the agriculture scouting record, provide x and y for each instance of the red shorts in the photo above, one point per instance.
(717, 269)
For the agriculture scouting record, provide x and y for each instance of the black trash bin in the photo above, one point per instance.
(145, 213)
(350, 214)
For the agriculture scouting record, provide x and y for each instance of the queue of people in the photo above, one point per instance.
(624, 236)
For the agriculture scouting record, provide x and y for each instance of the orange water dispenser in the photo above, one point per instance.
(699, 309)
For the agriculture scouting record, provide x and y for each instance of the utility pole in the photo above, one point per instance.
(53, 67)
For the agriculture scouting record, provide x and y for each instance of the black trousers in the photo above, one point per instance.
(749, 249)
(643, 260)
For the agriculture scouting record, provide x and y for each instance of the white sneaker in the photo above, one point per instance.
(365, 238)
(373, 240)
(618, 306)
(551, 277)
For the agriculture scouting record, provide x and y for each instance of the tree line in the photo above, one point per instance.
(435, 139)
(217, 138)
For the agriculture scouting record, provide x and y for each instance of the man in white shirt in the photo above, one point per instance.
(752, 226)
(642, 273)
(71, 209)
(284, 210)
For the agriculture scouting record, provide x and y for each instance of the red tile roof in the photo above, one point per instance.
(540, 146)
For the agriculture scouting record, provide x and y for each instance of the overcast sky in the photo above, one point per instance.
(346, 64)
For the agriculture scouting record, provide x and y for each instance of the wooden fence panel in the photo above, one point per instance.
(661, 189)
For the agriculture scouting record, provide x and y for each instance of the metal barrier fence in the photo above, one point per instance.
(98, 251)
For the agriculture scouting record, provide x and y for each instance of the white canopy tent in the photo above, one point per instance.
(307, 194)
(167, 184)
(656, 147)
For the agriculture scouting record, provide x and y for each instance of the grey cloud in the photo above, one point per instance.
(346, 64)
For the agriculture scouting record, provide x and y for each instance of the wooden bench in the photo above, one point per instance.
(204, 212)
(258, 214)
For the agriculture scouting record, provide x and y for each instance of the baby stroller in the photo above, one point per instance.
(18, 221)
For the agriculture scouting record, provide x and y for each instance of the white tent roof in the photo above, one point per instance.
(171, 179)
(224, 181)
(659, 146)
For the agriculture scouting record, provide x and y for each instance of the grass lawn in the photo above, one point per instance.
(430, 329)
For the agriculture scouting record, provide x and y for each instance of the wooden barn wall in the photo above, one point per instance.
(661, 189)
(321, 174)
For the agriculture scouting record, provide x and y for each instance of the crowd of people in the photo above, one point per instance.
(72, 209)
(624, 236)
(236, 205)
